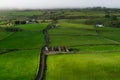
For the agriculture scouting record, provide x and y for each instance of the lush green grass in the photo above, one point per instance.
(80, 34)
(96, 48)
(33, 27)
(4, 35)
(31, 37)
(20, 13)
(85, 13)
(72, 31)
(78, 21)
(23, 40)
(19, 65)
(111, 33)
(77, 40)
(64, 23)
(83, 67)
(74, 34)
(99, 62)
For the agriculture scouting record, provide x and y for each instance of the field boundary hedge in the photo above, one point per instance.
(3, 51)
(95, 45)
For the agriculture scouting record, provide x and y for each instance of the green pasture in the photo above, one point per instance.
(77, 21)
(74, 37)
(95, 48)
(64, 23)
(95, 51)
(85, 13)
(109, 33)
(113, 35)
(31, 37)
(99, 66)
(20, 13)
(19, 65)
(77, 40)
(22, 40)
(72, 31)
(33, 27)
(4, 35)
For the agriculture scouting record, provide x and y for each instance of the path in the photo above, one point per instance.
(42, 63)
(4, 51)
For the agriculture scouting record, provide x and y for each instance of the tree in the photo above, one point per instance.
(107, 16)
(114, 17)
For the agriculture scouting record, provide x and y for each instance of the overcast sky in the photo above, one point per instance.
(33, 4)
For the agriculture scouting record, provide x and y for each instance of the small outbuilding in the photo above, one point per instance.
(99, 25)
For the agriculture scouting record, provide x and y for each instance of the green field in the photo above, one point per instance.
(33, 27)
(65, 23)
(94, 52)
(23, 40)
(101, 66)
(96, 48)
(20, 13)
(19, 65)
(4, 35)
(83, 37)
(112, 34)
(77, 40)
(31, 37)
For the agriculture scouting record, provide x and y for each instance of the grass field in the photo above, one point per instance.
(19, 65)
(4, 35)
(23, 40)
(111, 33)
(92, 59)
(65, 23)
(96, 48)
(31, 37)
(72, 31)
(33, 27)
(99, 66)
(79, 36)
(77, 40)
(95, 52)
(20, 13)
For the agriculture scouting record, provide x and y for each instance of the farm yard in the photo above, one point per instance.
(59, 45)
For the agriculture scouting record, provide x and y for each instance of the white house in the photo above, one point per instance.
(99, 25)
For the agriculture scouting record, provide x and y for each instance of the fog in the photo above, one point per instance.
(41, 4)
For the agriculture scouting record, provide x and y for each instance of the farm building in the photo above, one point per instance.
(99, 25)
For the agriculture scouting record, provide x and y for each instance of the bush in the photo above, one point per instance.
(19, 22)
(11, 29)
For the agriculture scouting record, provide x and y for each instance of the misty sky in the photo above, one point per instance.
(33, 4)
